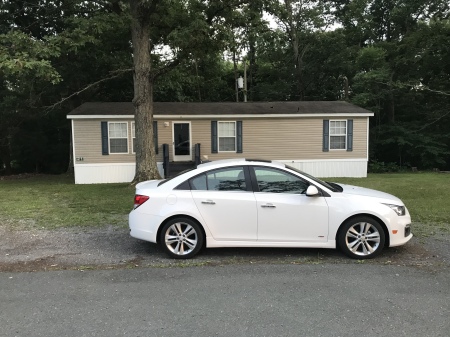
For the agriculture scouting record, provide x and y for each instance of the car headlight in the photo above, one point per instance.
(400, 210)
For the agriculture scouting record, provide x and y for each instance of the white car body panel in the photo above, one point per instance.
(236, 218)
(226, 219)
(285, 217)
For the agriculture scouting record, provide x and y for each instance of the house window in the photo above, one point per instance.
(118, 137)
(338, 135)
(227, 136)
(133, 136)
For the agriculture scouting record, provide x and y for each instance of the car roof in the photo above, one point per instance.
(238, 161)
(217, 164)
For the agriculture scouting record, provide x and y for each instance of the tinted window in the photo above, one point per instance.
(229, 179)
(276, 181)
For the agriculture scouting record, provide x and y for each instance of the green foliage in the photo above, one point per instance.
(22, 57)
(382, 167)
(394, 54)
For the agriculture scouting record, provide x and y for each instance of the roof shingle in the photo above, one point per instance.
(221, 108)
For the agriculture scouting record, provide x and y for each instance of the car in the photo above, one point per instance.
(257, 203)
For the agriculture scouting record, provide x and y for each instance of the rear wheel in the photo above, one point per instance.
(181, 238)
(361, 238)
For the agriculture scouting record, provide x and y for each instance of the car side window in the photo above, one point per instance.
(229, 179)
(277, 181)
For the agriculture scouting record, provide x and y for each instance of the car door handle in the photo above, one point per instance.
(268, 206)
(208, 202)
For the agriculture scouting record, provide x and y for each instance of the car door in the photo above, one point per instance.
(285, 213)
(227, 204)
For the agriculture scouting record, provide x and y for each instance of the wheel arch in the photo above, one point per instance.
(381, 222)
(158, 234)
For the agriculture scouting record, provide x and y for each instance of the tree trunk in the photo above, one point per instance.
(5, 156)
(298, 59)
(146, 168)
(70, 166)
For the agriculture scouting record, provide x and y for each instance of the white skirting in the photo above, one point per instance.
(353, 168)
(124, 173)
(107, 173)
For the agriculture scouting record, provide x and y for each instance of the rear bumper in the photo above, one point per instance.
(144, 226)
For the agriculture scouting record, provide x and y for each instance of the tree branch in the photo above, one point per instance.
(117, 73)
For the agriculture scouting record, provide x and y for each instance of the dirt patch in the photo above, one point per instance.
(111, 247)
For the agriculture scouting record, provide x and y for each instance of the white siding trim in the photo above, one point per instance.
(124, 172)
(352, 168)
(107, 173)
(73, 143)
(367, 144)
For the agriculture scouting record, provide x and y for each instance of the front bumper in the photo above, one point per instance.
(400, 233)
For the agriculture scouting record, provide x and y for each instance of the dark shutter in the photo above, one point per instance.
(213, 136)
(239, 136)
(350, 135)
(326, 135)
(104, 128)
(155, 135)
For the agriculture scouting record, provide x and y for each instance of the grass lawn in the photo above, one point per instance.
(47, 201)
(55, 201)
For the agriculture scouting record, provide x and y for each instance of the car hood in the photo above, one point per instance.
(367, 192)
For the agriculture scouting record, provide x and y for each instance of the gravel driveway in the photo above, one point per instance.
(111, 247)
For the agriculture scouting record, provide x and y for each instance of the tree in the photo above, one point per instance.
(141, 12)
(190, 29)
(298, 18)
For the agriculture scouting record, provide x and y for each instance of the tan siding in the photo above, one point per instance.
(164, 137)
(290, 138)
(279, 139)
(88, 143)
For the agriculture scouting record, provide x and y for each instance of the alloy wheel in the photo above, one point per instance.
(181, 238)
(362, 239)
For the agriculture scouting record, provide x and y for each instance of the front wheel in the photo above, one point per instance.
(181, 238)
(361, 238)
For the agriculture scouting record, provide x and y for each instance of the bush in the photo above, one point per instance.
(382, 167)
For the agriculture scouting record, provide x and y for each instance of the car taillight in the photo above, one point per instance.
(139, 200)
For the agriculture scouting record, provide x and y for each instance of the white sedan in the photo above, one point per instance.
(249, 203)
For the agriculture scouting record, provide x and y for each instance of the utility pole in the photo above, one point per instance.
(242, 82)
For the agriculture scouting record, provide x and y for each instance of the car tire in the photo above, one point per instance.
(361, 238)
(182, 238)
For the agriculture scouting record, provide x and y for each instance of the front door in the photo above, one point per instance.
(285, 213)
(182, 149)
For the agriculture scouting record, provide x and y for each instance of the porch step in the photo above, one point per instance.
(180, 166)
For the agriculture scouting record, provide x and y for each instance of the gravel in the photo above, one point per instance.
(111, 247)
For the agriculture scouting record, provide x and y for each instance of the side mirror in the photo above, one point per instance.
(312, 191)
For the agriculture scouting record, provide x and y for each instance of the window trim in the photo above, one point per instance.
(235, 137)
(109, 138)
(340, 135)
(133, 139)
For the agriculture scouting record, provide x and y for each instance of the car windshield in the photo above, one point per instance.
(331, 186)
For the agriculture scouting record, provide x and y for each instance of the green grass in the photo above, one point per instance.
(426, 195)
(55, 201)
